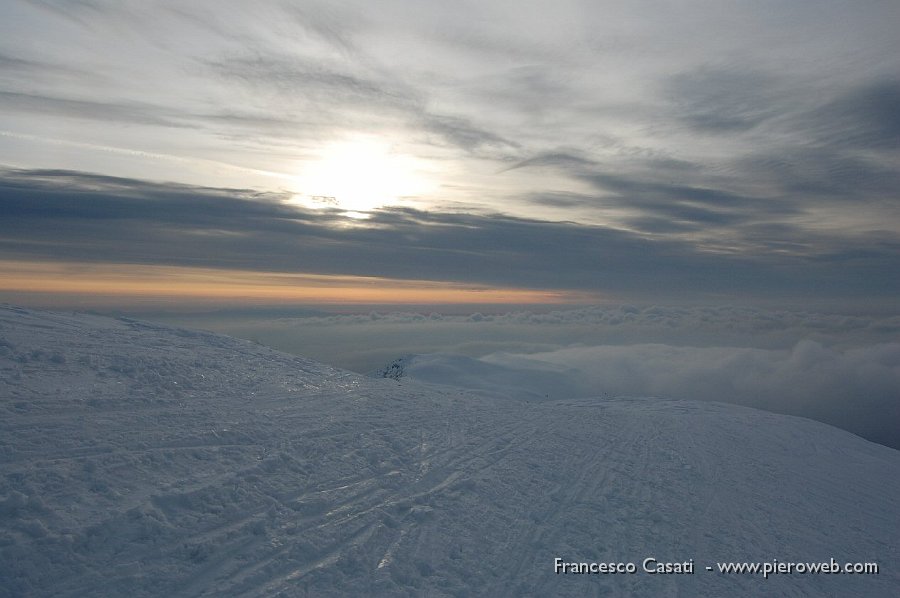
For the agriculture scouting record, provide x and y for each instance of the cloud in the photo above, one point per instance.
(724, 101)
(794, 193)
(866, 117)
(322, 82)
(53, 215)
(365, 341)
(463, 134)
(102, 111)
(838, 151)
(698, 208)
(801, 173)
(558, 159)
(704, 319)
(318, 89)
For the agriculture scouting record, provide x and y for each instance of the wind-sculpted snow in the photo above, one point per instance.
(139, 460)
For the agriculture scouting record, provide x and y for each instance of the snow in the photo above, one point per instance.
(142, 460)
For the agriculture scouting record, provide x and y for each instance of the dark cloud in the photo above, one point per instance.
(840, 151)
(660, 225)
(865, 117)
(802, 172)
(644, 189)
(811, 146)
(660, 207)
(663, 206)
(685, 207)
(560, 159)
(724, 101)
(51, 215)
(461, 133)
(560, 200)
(792, 183)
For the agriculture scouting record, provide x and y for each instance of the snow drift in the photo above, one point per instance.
(142, 460)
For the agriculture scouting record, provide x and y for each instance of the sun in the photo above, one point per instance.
(359, 175)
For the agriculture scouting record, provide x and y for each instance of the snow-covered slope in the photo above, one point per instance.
(138, 460)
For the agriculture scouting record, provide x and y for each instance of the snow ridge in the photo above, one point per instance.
(142, 460)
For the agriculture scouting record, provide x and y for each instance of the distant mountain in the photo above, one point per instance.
(140, 460)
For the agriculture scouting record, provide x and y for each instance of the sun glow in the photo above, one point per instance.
(360, 175)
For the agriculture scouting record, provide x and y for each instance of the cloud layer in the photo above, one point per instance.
(75, 217)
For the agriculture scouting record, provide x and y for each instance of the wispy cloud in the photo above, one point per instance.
(91, 110)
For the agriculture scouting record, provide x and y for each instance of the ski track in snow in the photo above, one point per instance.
(142, 460)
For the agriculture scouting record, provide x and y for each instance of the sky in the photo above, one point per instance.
(484, 153)
(695, 199)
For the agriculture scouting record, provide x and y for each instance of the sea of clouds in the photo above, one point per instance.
(840, 369)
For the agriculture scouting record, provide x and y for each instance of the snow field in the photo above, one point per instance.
(142, 460)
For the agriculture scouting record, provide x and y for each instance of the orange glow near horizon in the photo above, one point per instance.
(220, 285)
